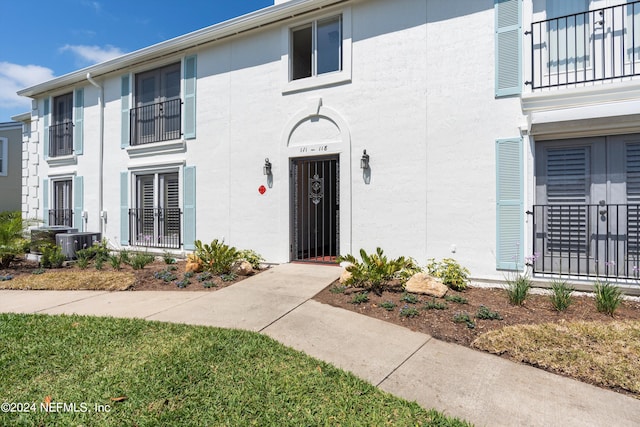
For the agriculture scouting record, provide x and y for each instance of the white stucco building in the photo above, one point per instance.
(475, 116)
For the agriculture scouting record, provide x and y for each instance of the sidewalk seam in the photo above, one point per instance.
(283, 315)
(71, 302)
(429, 338)
(204, 294)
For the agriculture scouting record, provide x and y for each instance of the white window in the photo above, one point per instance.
(4, 156)
(316, 48)
(318, 52)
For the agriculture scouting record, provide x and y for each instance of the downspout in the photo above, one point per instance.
(101, 154)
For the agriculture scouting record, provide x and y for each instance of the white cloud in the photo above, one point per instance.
(89, 55)
(97, 6)
(14, 77)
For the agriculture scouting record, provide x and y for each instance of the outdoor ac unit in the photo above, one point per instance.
(72, 242)
(47, 235)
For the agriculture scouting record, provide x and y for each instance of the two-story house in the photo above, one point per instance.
(10, 166)
(482, 130)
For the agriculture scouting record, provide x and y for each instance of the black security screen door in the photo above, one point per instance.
(315, 199)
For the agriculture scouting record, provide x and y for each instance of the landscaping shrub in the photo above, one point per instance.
(217, 257)
(52, 256)
(360, 298)
(410, 298)
(388, 305)
(252, 257)
(168, 258)
(140, 260)
(518, 289)
(485, 313)
(608, 297)
(12, 240)
(560, 294)
(435, 305)
(456, 298)
(463, 317)
(376, 271)
(450, 272)
(408, 311)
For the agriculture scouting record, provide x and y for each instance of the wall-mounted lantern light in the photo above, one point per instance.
(364, 161)
(266, 169)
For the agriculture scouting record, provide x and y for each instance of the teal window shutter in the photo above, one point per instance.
(190, 76)
(509, 204)
(45, 137)
(45, 201)
(124, 208)
(78, 203)
(508, 51)
(189, 204)
(125, 90)
(78, 121)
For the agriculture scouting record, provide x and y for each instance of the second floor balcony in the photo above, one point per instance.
(585, 48)
(61, 139)
(157, 122)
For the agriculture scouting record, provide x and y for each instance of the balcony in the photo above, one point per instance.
(61, 217)
(61, 139)
(587, 240)
(585, 48)
(156, 122)
(155, 228)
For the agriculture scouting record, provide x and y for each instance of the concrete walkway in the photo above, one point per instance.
(481, 388)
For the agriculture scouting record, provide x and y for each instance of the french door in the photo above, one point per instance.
(157, 214)
(157, 113)
(587, 216)
(61, 130)
(61, 214)
(315, 203)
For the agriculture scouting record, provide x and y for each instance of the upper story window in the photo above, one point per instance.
(4, 160)
(316, 48)
(61, 128)
(157, 115)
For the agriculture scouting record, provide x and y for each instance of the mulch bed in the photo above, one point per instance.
(440, 324)
(145, 280)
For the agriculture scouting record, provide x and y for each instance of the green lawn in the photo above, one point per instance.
(149, 373)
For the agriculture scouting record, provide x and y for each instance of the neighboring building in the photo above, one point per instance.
(10, 166)
(492, 130)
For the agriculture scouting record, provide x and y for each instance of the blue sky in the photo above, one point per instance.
(43, 39)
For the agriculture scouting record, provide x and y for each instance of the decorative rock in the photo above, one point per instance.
(243, 268)
(344, 277)
(422, 283)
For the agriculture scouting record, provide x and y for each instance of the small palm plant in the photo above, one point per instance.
(376, 271)
(12, 240)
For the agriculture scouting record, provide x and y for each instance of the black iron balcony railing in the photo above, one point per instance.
(156, 228)
(586, 240)
(597, 45)
(61, 139)
(61, 217)
(156, 122)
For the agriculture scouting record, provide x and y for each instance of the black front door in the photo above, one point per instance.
(315, 199)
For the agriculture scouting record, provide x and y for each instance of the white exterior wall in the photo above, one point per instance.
(420, 100)
(464, 119)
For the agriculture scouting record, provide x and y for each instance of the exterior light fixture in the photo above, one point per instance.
(364, 161)
(266, 169)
